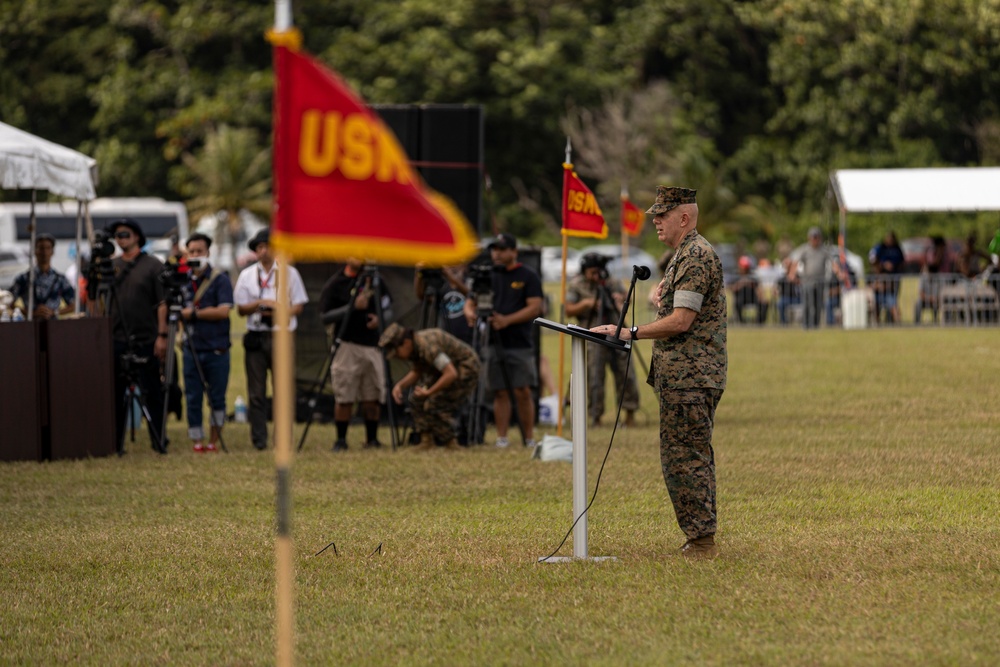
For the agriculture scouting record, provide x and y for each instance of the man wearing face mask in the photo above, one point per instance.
(208, 298)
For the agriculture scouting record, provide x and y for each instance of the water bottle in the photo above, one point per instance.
(240, 410)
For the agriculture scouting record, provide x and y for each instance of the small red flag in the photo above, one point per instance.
(343, 186)
(632, 217)
(581, 214)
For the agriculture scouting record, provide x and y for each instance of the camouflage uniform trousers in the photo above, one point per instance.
(598, 358)
(435, 415)
(686, 421)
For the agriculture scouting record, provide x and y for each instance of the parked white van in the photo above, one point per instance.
(159, 219)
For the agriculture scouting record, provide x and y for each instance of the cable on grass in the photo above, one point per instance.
(600, 472)
(331, 544)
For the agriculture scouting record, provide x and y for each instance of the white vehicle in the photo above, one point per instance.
(552, 263)
(159, 220)
(621, 269)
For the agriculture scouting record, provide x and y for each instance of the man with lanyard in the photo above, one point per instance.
(138, 311)
(256, 296)
(517, 300)
(357, 373)
(51, 287)
(594, 298)
(208, 299)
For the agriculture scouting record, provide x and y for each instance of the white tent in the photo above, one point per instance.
(917, 190)
(30, 162)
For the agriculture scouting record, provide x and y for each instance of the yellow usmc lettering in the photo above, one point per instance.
(582, 202)
(360, 148)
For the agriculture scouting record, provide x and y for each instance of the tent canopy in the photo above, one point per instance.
(32, 163)
(917, 190)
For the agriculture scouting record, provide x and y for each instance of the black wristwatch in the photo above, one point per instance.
(635, 333)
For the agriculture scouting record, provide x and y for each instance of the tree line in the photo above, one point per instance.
(753, 102)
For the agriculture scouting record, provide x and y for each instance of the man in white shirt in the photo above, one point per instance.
(256, 296)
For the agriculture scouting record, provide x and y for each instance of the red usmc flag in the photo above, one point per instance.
(343, 186)
(632, 217)
(581, 214)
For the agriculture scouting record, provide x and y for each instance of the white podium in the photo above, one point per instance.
(578, 397)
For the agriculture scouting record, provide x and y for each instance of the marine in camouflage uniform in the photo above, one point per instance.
(596, 309)
(688, 365)
(447, 369)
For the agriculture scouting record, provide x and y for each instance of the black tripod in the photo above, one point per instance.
(481, 342)
(369, 278)
(189, 341)
(105, 294)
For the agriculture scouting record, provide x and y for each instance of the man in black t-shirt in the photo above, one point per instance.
(517, 301)
(138, 312)
(358, 369)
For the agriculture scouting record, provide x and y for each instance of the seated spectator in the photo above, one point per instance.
(972, 261)
(938, 264)
(843, 278)
(789, 293)
(746, 293)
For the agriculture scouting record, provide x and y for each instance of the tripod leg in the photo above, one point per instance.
(316, 388)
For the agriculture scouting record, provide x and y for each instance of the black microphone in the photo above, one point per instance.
(638, 273)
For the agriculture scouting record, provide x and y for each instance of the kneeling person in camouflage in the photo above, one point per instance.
(447, 370)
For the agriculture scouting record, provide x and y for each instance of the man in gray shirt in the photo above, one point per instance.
(812, 265)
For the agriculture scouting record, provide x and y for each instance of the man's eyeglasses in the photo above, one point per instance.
(123, 235)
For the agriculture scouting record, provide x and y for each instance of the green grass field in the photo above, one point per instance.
(859, 525)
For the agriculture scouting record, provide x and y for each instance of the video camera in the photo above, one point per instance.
(177, 274)
(481, 273)
(100, 271)
(433, 280)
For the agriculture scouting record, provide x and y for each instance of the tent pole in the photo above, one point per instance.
(79, 255)
(30, 305)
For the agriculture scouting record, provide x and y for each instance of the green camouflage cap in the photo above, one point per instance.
(391, 338)
(668, 198)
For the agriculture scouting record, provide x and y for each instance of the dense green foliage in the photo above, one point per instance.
(766, 95)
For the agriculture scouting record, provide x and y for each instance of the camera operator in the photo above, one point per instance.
(256, 296)
(445, 371)
(447, 285)
(358, 369)
(138, 314)
(593, 298)
(208, 298)
(517, 300)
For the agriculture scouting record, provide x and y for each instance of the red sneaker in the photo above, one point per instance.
(198, 447)
(210, 447)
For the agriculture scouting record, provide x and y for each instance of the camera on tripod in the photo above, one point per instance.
(593, 260)
(433, 279)
(101, 270)
(481, 274)
(176, 275)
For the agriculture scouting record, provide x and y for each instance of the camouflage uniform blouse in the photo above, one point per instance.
(696, 358)
(430, 344)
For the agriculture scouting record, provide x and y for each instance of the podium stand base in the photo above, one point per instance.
(574, 559)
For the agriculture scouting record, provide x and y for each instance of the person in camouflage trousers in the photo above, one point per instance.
(593, 298)
(688, 365)
(447, 370)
